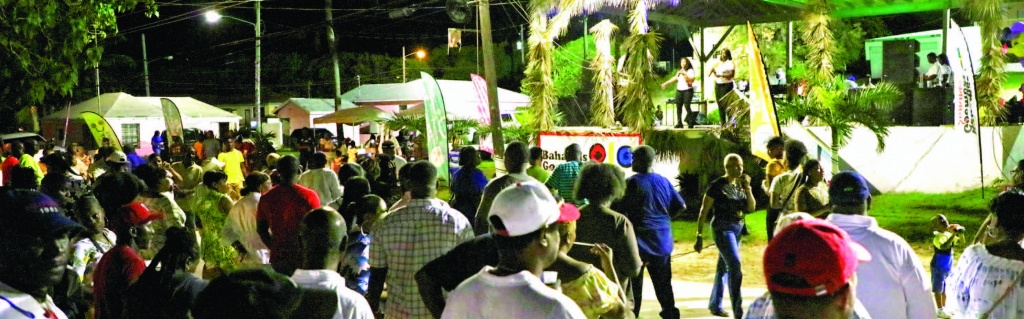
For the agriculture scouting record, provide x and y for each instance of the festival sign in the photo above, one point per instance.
(965, 101)
(100, 129)
(763, 122)
(611, 148)
(172, 118)
(437, 125)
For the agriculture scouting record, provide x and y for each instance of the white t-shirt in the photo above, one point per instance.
(945, 72)
(722, 68)
(980, 278)
(520, 295)
(780, 190)
(241, 226)
(351, 305)
(681, 83)
(12, 300)
(936, 70)
(324, 182)
(893, 284)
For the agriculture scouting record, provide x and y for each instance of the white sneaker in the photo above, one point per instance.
(942, 314)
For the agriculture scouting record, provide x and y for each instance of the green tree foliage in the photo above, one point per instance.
(47, 44)
(459, 63)
(849, 36)
(567, 71)
(989, 14)
(831, 103)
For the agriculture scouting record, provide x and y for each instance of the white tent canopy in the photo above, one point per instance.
(460, 97)
(124, 105)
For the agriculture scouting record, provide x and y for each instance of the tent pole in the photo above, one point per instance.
(945, 30)
(703, 84)
(789, 47)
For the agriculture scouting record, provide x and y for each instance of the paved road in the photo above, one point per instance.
(691, 299)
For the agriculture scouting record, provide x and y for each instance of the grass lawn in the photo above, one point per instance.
(906, 214)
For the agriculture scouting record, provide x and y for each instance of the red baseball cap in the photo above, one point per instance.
(568, 213)
(811, 258)
(136, 214)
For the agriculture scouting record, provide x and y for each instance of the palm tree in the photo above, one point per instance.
(603, 65)
(819, 40)
(639, 47)
(841, 109)
(989, 14)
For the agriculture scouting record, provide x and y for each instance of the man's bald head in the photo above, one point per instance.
(322, 232)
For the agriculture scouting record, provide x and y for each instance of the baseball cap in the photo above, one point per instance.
(811, 257)
(136, 214)
(388, 144)
(260, 292)
(33, 212)
(118, 157)
(848, 188)
(523, 208)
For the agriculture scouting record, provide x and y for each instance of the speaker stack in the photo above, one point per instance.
(899, 67)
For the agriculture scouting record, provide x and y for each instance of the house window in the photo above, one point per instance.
(130, 134)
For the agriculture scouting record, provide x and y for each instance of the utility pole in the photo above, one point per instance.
(334, 57)
(145, 63)
(259, 105)
(403, 65)
(491, 77)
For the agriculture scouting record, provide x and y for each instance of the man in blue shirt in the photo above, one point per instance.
(649, 203)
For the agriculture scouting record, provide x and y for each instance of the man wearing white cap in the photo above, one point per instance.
(522, 217)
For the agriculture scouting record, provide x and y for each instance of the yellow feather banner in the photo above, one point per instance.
(764, 123)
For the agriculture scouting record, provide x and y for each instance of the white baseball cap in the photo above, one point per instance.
(117, 157)
(523, 208)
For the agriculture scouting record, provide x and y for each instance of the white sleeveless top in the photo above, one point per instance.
(681, 84)
(722, 68)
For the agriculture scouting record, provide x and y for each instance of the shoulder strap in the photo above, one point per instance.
(986, 314)
(796, 184)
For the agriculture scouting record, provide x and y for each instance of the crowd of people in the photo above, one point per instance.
(210, 236)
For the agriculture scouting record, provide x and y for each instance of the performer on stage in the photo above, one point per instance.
(684, 92)
(723, 71)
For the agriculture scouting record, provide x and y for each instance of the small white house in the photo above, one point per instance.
(298, 113)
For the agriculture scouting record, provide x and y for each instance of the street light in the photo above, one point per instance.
(420, 54)
(145, 62)
(214, 17)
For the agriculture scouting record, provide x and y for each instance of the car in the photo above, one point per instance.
(27, 136)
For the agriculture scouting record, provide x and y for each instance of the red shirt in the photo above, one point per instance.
(283, 208)
(7, 167)
(118, 269)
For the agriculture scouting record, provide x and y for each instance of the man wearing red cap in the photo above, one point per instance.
(810, 268)
(897, 281)
(121, 266)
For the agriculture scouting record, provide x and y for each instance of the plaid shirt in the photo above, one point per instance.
(762, 308)
(563, 179)
(406, 240)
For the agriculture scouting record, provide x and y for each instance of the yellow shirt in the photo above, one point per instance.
(775, 167)
(233, 166)
(593, 292)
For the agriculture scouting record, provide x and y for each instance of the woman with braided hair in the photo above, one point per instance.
(166, 289)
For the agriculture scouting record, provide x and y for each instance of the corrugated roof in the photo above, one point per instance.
(317, 105)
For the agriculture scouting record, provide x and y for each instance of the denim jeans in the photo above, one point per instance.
(660, 270)
(728, 271)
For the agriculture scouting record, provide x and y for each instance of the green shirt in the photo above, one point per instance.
(30, 162)
(539, 173)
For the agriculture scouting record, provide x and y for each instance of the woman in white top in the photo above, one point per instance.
(985, 282)
(723, 72)
(240, 228)
(684, 92)
(812, 195)
(945, 72)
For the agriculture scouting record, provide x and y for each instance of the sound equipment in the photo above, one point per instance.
(458, 10)
(929, 106)
(899, 61)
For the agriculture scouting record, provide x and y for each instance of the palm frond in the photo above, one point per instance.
(818, 37)
(603, 103)
(989, 14)
(637, 103)
(537, 82)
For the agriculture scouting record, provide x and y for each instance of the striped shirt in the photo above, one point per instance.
(563, 179)
(409, 238)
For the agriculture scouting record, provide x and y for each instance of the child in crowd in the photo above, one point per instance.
(946, 236)
(355, 265)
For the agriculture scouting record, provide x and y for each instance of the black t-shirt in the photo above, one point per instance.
(730, 201)
(463, 261)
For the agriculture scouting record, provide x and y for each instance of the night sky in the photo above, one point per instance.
(202, 50)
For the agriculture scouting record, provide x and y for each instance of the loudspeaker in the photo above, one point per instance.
(899, 61)
(929, 106)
